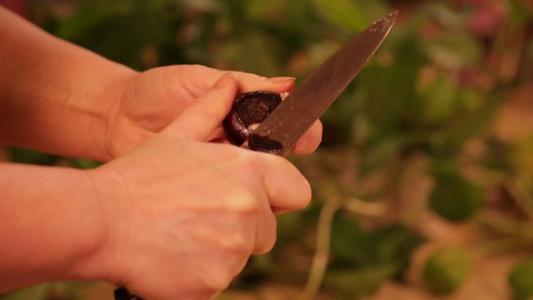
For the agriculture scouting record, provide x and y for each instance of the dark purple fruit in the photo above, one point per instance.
(249, 110)
(124, 294)
(257, 142)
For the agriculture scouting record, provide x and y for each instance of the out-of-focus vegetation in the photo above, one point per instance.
(409, 144)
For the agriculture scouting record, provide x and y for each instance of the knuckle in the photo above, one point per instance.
(246, 206)
(236, 245)
(218, 280)
(240, 203)
(266, 246)
(251, 161)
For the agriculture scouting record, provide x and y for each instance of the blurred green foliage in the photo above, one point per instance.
(446, 269)
(452, 191)
(428, 97)
(521, 280)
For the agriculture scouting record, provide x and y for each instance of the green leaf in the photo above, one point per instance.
(391, 102)
(379, 152)
(355, 284)
(394, 244)
(454, 49)
(86, 163)
(81, 23)
(21, 155)
(118, 31)
(439, 100)
(450, 140)
(454, 197)
(521, 280)
(343, 13)
(351, 246)
(446, 269)
(38, 292)
(520, 13)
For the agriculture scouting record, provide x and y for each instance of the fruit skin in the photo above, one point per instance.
(521, 280)
(250, 109)
(124, 294)
(257, 142)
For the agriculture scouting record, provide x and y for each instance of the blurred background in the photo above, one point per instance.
(423, 185)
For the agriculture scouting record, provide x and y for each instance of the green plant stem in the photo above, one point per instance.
(499, 224)
(320, 259)
(363, 208)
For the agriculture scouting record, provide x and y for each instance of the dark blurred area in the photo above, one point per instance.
(423, 185)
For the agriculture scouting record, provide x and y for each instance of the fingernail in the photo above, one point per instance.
(281, 79)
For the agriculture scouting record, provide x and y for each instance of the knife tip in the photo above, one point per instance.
(386, 22)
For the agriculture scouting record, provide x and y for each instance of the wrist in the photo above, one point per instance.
(103, 103)
(104, 263)
(56, 95)
(52, 231)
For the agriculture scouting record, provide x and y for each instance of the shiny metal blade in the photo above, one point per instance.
(295, 115)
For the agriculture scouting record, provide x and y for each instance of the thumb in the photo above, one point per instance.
(205, 114)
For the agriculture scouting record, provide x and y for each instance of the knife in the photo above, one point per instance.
(311, 98)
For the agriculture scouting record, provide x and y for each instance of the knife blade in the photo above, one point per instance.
(310, 99)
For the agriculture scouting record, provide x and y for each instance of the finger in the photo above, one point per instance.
(286, 188)
(265, 236)
(250, 83)
(203, 117)
(197, 79)
(310, 141)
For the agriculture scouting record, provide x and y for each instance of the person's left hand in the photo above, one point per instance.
(150, 101)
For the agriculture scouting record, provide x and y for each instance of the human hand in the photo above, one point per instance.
(149, 102)
(185, 215)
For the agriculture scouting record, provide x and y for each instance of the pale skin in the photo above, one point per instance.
(171, 214)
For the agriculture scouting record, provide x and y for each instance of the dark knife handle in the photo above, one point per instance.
(123, 294)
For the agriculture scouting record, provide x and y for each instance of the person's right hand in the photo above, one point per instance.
(184, 215)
